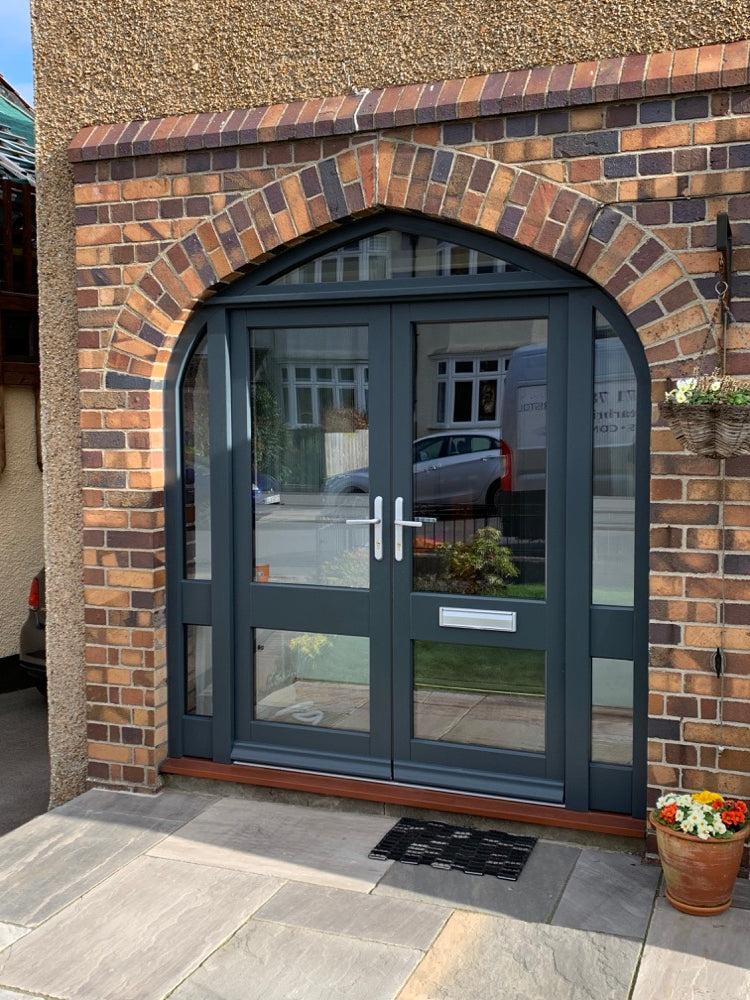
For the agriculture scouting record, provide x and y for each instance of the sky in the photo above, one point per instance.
(15, 47)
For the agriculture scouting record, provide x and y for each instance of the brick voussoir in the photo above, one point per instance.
(608, 80)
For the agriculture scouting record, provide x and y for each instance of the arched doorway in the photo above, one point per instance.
(402, 543)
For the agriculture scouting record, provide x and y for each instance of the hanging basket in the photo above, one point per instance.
(718, 430)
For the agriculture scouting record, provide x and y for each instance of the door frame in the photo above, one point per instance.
(587, 785)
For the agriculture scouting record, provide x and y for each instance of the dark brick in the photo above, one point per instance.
(171, 208)
(656, 111)
(458, 133)
(122, 170)
(664, 729)
(552, 122)
(586, 144)
(687, 160)
(689, 210)
(655, 163)
(620, 166)
(621, 115)
(224, 159)
(655, 214)
(86, 215)
(718, 157)
(275, 198)
(481, 175)
(442, 167)
(646, 256)
(739, 156)
(510, 221)
(734, 565)
(489, 130)
(121, 380)
(741, 102)
(520, 125)
(691, 107)
(646, 314)
(198, 206)
(103, 439)
(605, 226)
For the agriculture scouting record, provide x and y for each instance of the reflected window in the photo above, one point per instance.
(198, 670)
(196, 466)
(611, 711)
(310, 455)
(392, 256)
(312, 679)
(480, 487)
(615, 407)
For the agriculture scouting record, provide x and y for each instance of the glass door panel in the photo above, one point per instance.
(310, 455)
(480, 664)
(310, 548)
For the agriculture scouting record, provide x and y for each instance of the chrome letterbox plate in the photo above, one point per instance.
(493, 621)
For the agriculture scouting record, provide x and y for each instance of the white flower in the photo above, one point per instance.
(679, 396)
(715, 385)
(687, 383)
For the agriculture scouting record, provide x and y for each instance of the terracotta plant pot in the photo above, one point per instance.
(700, 874)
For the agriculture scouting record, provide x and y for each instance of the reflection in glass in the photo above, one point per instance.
(479, 477)
(310, 455)
(480, 695)
(615, 406)
(612, 711)
(196, 469)
(395, 255)
(198, 670)
(312, 679)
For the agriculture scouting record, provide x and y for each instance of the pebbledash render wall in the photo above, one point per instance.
(115, 60)
(616, 169)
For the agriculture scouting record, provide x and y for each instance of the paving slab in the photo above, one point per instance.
(10, 933)
(478, 956)
(695, 958)
(138, 935)
(741, 894)
(533, 897)
(609, 892)
(55, 858)
(12, 995)
(265, 961)
(371, 918)
(290, 842)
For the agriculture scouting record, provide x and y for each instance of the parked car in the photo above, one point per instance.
(33, 652)
(456, 468)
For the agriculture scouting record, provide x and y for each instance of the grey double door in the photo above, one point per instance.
(402, 561)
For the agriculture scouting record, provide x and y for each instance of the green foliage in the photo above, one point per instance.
(482, 566)
(269, 433)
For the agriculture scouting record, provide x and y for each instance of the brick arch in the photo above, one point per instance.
(599, 241)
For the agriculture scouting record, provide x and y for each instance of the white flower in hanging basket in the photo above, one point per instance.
(710, 414)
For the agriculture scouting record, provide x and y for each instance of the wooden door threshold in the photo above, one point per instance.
(409, 795)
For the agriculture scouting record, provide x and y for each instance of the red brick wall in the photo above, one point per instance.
(616, 169)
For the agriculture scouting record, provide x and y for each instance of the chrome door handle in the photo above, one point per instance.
(377, 520)
(432, 468)
(398, 525)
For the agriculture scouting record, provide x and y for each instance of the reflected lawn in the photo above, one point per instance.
(448, 666)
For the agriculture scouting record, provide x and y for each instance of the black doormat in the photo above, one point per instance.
(476, 852)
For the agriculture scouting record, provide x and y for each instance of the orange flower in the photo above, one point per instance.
(668, 813)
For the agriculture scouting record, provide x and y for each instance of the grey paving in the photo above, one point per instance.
(24, 758)
(286, 841)
(271, 962)
(136, 936)
(197, 897)
(371, 918)
(52, 860)
(533, 897)
(480, 956)
(695, 958)
(609, 892)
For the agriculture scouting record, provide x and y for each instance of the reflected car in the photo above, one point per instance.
(32, 643)
(450, 470)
